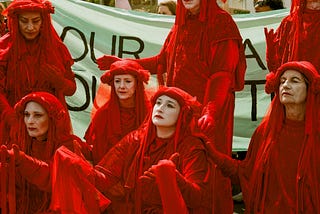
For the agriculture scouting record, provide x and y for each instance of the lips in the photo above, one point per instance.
(158, 116)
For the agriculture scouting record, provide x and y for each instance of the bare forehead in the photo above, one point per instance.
(34, 107)
(30, 15)
(292, 73)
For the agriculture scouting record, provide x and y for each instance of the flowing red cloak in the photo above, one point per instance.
(295, 39)
(22, 62)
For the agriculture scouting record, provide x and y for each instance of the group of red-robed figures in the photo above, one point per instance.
(169, 154)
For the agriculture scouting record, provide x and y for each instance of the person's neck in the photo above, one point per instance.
(165, 132)
(295, 112)
(127, 103)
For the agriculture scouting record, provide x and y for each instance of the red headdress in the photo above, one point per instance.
(127, 66)
(59, 123)
(48, 45)
(273, 122)
(110, 111)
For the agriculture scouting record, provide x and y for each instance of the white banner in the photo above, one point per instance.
(90, 30)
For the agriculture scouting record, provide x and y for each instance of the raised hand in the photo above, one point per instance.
(105, 61)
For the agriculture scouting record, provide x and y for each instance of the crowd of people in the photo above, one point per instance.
(167, 151)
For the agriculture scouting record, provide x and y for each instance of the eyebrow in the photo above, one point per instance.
(34, 18)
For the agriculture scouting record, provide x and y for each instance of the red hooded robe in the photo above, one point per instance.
(112, 121)
(280, 173)
(296, 38)
(203, 55)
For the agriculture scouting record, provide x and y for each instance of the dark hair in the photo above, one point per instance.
(171, 4)
(273, 4)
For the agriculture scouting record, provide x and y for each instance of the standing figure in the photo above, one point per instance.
(41, 126)
(124, 112)
(167, 130)
(296, 38)
(281, 173)
(204, 56)
(32, 56)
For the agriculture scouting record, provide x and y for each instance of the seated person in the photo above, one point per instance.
(167, 130)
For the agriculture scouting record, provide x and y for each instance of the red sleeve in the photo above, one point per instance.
(116, 162)
(192, 173)
(36, 172)
(224, 61)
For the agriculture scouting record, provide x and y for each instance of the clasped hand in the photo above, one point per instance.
(162, 167)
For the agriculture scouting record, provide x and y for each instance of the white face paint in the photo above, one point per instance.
(36, 120)
(192, 5)
(165, 112)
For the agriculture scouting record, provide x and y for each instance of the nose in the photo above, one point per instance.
(122, 85)
(29, 26)
(30, 120)
(161, 107)
(286, 84)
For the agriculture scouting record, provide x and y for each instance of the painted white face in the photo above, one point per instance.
(293, 88)
(165, 112)
(192, 5)
(125, 86)
(30, 24)
(36, 120)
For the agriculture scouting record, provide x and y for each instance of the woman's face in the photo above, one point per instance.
(192, 5)
(162, 9)
(125, 86)
(30, 24)
(293, 88)
(37, 121)
(165, 112)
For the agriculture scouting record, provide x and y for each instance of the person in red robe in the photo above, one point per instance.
(281, 173)
(296, 38)
(123, 112)
(203, 55)
(166, 131)
(41, 127)
(32, 56)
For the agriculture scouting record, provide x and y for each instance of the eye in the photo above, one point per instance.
(170, 105)
(24, 21)
(38, 115)
(158, 102)
(128, 81)
(26, 114)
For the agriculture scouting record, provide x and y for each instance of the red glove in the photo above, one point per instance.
(206, 124)
(13, 153)
(105, 61)
(271, 51)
